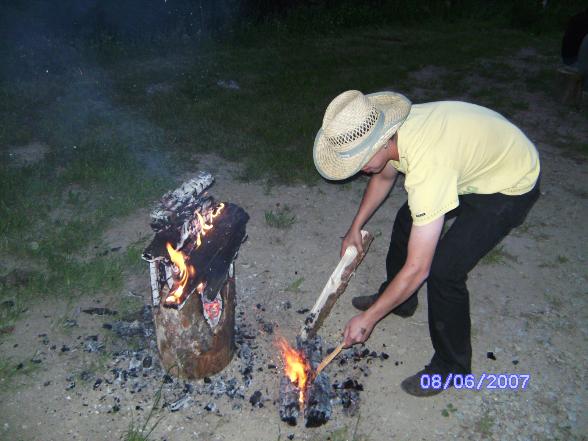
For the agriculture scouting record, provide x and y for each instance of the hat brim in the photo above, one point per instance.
(395, 108)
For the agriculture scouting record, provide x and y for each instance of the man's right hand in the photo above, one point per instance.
(352, 238)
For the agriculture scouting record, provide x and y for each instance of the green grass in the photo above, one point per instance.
(295, 285)
(498, 256)
(10, 370)
(282, 218)
(142, 432)
(485, 424)
(448, 410)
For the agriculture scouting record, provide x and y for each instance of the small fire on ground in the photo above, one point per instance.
(296, 367)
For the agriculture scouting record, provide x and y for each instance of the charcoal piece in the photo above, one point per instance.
(167, 379)
(289, 405)
(303, 311)
(348, 384)
(384, 356)
(349, 401)
(70, 323)
(318, 409)
(147, 362)
(491, 356)
(255, 399)
(97, 383)
(210, 407)
(99, 311)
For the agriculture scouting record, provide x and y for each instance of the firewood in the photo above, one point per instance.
(195, 329)
(335, 287)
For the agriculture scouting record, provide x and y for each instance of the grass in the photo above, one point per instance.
(9, 370)
(448, 410)
(485, 424)
(142, 432)
(281, 219)
(498, 256)
(295, 285)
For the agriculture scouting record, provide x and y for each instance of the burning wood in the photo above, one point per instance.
(301, 389)
(192, 278)
(304, 386)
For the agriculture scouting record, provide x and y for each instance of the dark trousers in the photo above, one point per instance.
(482, 221)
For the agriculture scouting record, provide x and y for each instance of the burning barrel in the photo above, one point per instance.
(191, 261)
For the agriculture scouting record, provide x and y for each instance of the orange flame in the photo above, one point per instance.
(179, 260)
(203, 223)
(296, 367)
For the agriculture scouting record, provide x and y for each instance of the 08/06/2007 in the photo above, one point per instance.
(470, 381)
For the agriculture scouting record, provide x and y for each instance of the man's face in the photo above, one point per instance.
(377, 163)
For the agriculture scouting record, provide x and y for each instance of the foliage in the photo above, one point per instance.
(282, 218)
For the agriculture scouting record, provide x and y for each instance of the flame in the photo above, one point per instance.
(200, 288)
(218, 210)
(202, 223)
(185, 271)
(296, 367)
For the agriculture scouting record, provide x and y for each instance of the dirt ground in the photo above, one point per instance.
(528, 308)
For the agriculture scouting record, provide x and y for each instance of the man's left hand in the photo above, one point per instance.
(357, 330)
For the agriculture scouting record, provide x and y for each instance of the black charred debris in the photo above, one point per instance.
(133, 367)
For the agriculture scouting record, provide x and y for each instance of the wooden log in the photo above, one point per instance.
(188, 346)
(335, 287)
(177, 206)
(288, 404)
(317, 406)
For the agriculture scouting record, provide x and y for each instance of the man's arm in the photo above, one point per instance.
(376, 191)
(421, 249)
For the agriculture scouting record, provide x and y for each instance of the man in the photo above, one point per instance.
(460, 160)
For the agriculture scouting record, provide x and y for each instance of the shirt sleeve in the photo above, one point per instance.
(432, 192)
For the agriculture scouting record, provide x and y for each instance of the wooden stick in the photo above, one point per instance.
(335, 287)
(329, 358)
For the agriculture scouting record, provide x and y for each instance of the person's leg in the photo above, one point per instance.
(394, 262)
(483, 221)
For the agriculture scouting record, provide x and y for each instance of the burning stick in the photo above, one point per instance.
(335, 287)
(329, 358)
(302, 389)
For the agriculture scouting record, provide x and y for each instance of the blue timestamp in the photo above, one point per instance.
(473, 382)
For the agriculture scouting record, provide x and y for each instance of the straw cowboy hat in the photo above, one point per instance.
(354, 128)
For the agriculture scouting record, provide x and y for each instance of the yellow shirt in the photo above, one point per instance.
(450, 148)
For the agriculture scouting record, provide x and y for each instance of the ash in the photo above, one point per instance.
(132, 375)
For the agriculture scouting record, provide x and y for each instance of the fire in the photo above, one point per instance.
(185, 271)
(204, 223)
(182, 271)
(296, 367)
